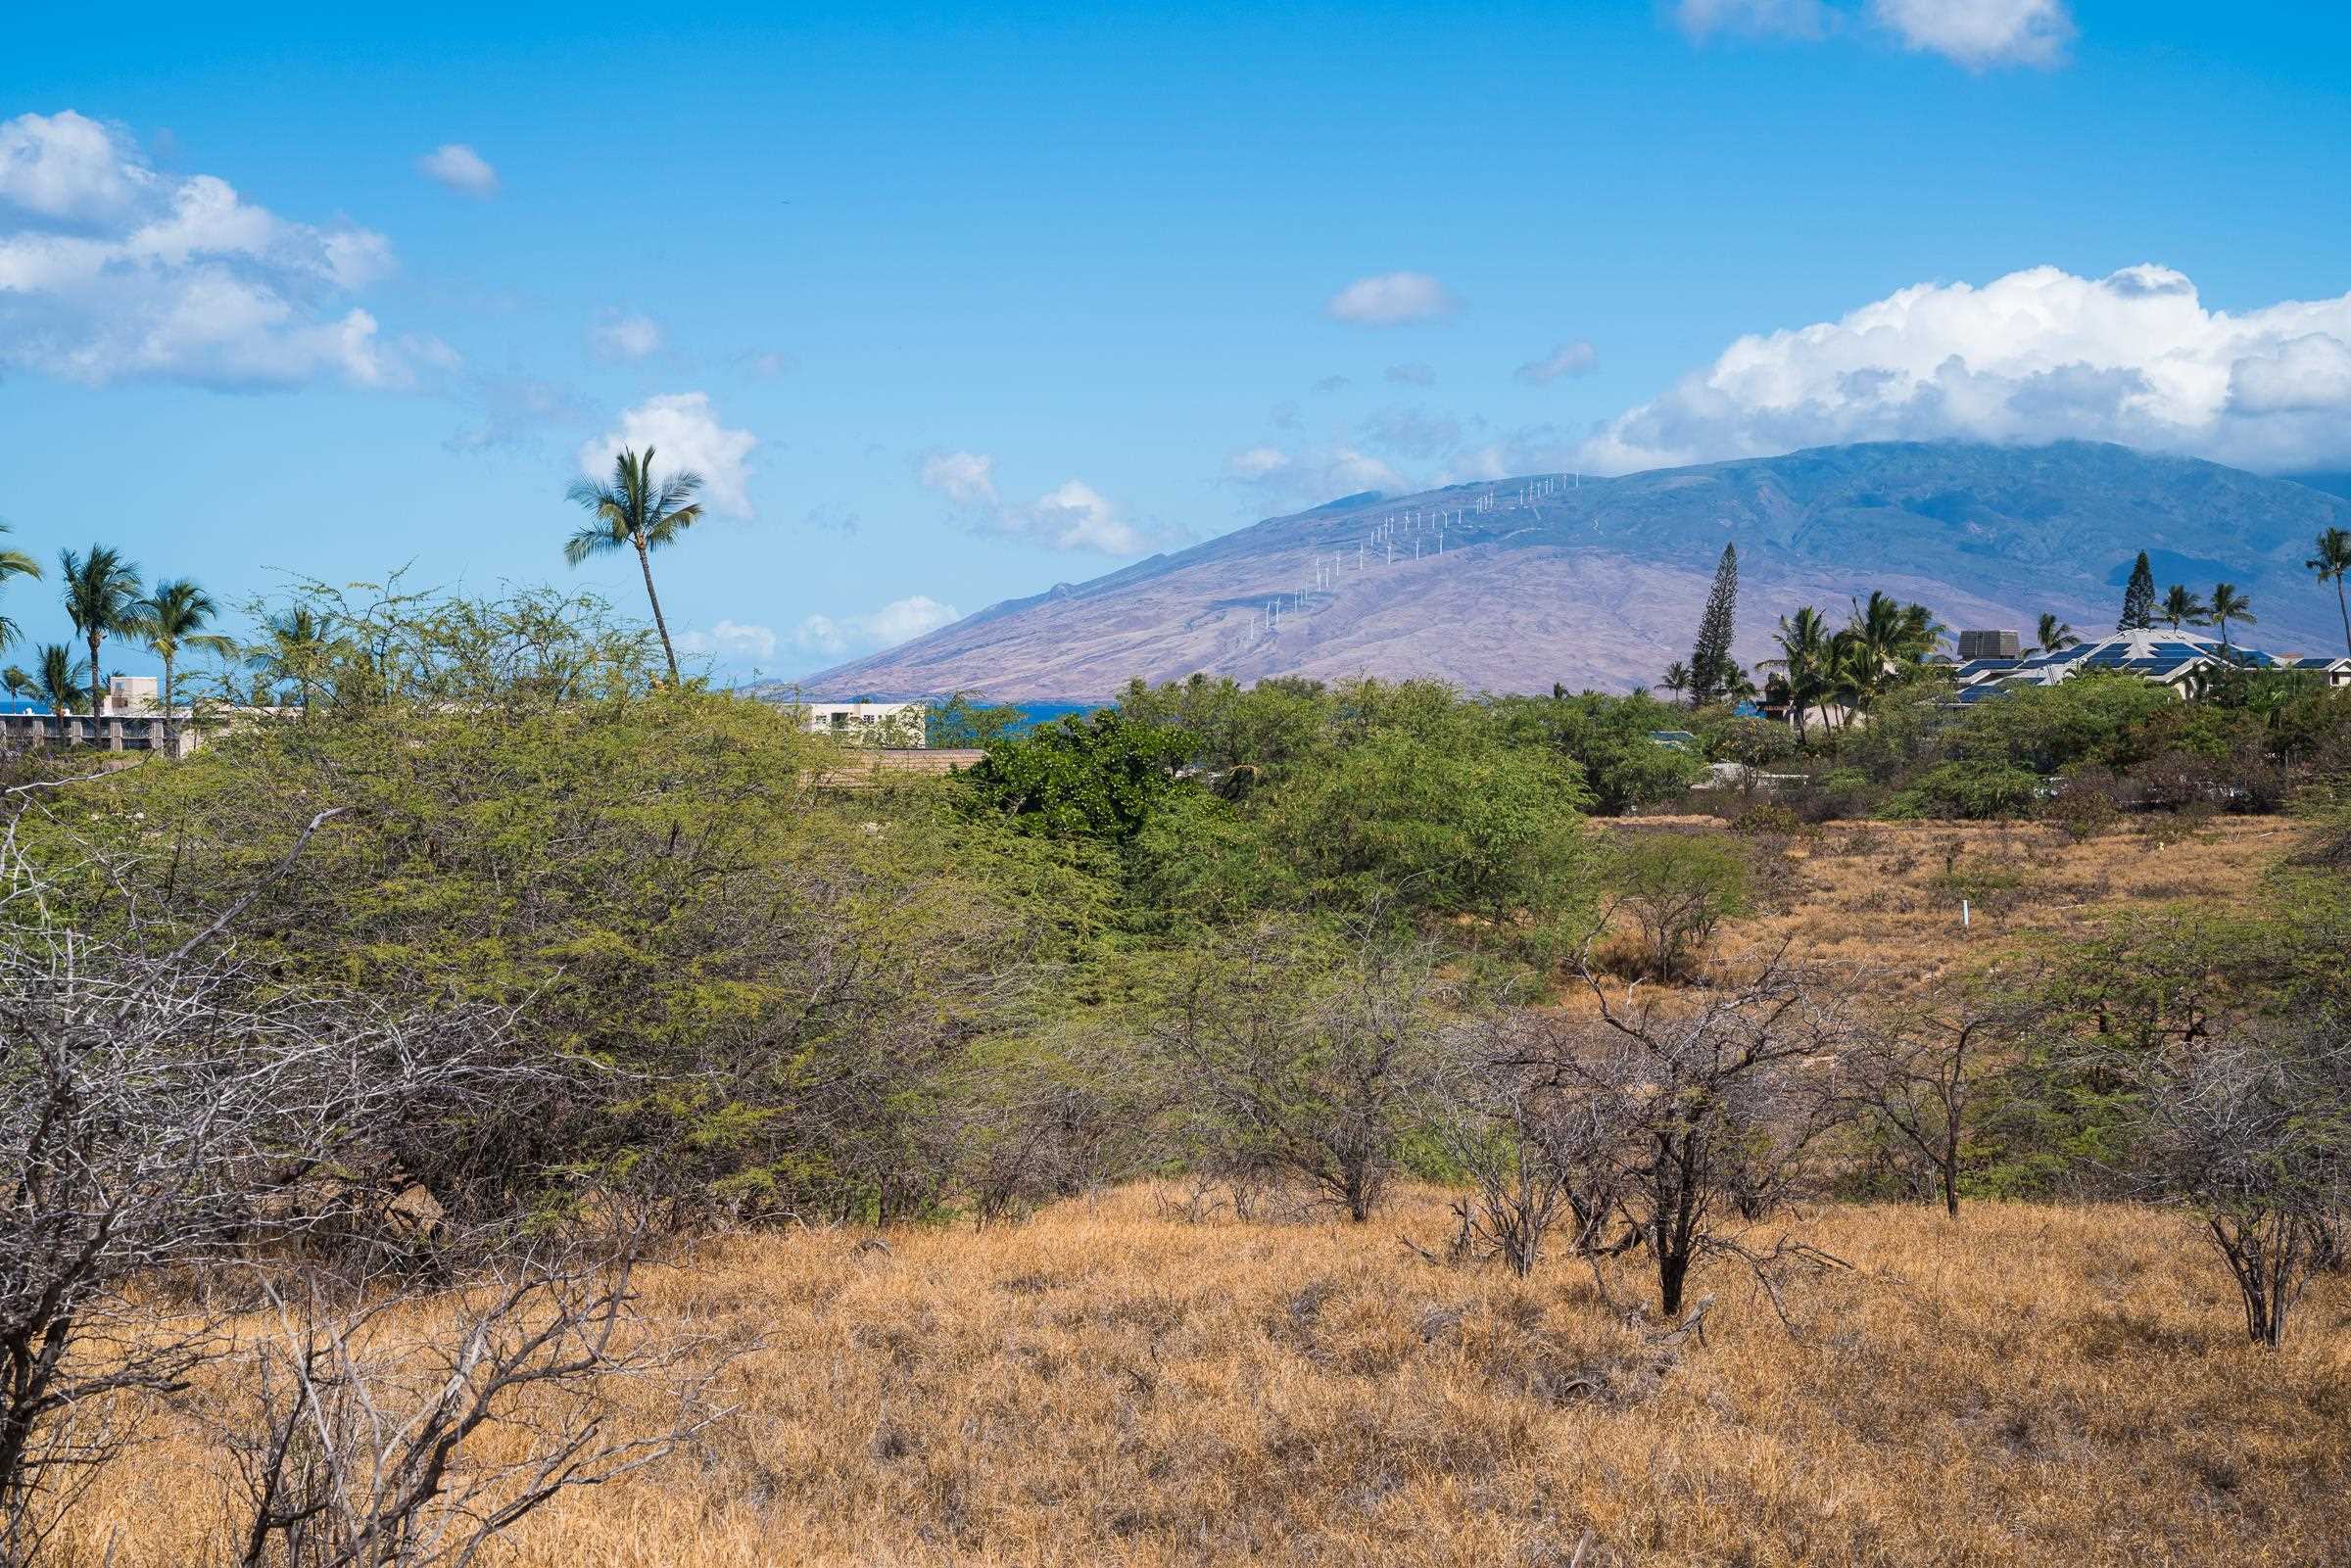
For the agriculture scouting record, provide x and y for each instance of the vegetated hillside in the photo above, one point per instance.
(1598, 584)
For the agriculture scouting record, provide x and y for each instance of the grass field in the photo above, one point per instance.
(1111, 1383)
(1120, 1381)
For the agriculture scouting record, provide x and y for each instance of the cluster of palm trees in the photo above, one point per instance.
(104, 597)
(1883, 645)
(2181, 608)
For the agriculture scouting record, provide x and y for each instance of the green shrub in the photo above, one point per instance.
(1968, 791)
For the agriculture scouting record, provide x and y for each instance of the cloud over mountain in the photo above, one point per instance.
(2035, 356)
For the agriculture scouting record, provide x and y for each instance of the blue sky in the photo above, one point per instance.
(954, 303)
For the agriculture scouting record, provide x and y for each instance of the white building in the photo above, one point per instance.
(867, 724)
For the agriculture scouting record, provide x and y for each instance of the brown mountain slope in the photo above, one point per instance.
(1599, 585)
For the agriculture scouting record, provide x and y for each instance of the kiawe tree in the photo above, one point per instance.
(636, 512)
(2138, 598)
(1711, 669)
(102, 595)
(2331, 564)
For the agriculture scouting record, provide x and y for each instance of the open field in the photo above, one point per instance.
(1123, 1380)
(1878, 894)
(1112, 1384)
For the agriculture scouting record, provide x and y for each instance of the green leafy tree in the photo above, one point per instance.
(2228, 604)
(1406, 820)
(962, 720)
(1675, 889)
(1609, 738)
(635, 511)
(172, 621)
(1101, 775)
(103, 597)
(2180, 607)
(2138, 598)
(1710, 658)
(2331, 564)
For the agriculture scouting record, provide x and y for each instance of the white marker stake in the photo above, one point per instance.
(1963, 919)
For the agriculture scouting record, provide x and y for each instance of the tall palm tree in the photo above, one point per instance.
(1677, 678)
(102, 595)
(2181, 608)
(14, 563)
(58, 675)
(172, 620)
(2055, 634)
(2332, 563)
(634, 512)
(2228, 604)
(1803, 639)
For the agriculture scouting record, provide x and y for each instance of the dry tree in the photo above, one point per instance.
(1710, 1097)
(180, 1137)
(2252, 1133)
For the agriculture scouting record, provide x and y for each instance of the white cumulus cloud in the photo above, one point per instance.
(618, 335)
(460, 168)
(111, 271)
(1072, 516)
(1392, 299)
(965, 478)
(1568, 360)
(732, 643)
(1975, 33)
(898, 620)
(2035, 356)
(685, 433)
(1981, 32)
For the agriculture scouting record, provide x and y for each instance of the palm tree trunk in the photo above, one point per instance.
(97, 681)
(2344, 605)
(645, 561)
(170, 725)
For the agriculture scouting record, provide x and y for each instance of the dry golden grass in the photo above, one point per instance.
(1874, 894)
(1111, 1384)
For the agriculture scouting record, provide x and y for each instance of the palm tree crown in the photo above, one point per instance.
(635, 511)
(102, 595)
(2181, 608)
(2055, 634)
(2332, 563)
(58, 676)
(2228, 604)
(14, 563)
(173, 619)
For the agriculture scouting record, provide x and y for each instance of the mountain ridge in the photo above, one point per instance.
(1598, 581)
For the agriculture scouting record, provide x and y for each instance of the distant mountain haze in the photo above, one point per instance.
(1600, 583)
